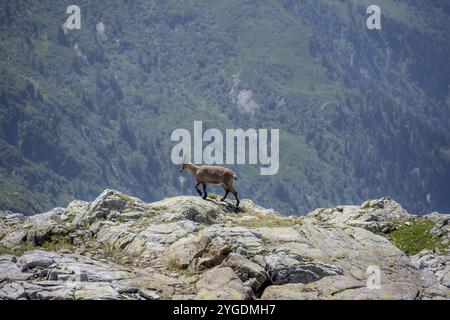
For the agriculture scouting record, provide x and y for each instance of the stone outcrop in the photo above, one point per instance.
(119, 247)
(380, 215)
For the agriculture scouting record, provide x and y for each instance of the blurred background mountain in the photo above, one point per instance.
(362, 113)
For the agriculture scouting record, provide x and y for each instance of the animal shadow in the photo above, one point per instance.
(229, 206)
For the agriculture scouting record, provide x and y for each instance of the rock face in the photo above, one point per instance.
(374, 215)
(221, 283)
(47, 275)
(119, 247)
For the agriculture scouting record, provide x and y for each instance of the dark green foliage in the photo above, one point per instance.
(361, 113)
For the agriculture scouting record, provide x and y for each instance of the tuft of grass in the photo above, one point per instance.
(213, 195)
(160, 208)
(126, 198)
(121, 219)
(269, 221)
(19, 250)
(55, 244)
(414, 238)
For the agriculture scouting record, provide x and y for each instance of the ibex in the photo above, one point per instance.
(211, 174)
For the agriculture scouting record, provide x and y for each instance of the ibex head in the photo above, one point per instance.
(184, 162)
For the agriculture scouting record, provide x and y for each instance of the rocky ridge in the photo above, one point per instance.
(119, 247)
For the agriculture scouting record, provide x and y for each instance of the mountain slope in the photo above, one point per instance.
(361, 113)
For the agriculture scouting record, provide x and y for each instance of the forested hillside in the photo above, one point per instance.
(362, 113)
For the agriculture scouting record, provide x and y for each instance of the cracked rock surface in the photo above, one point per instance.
(119, 247)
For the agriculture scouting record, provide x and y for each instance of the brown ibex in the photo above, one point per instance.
(211, 174)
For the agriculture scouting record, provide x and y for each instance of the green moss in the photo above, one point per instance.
(414, 238)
